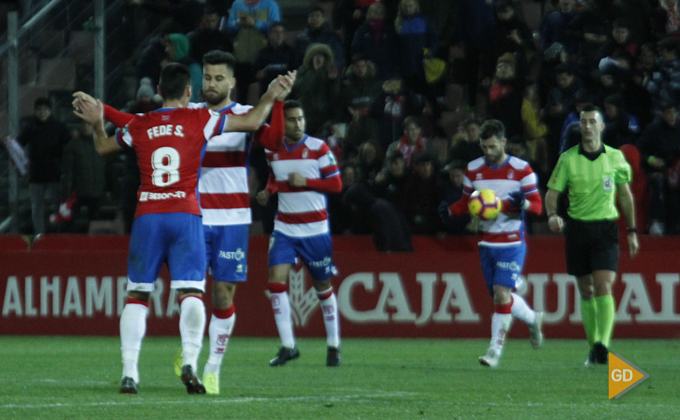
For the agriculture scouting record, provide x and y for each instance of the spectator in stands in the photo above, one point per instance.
(390, 183)
(591, 27)
(554, 25)
(506, 95)
(659, 148)
(377, 42)
(467, 149)
(411, 143)
(559, 103)
(507, 34)
(664, 86)
(452, 191)
(417, 41)
(178, 51)
(83, 172)
(45, 138)
(318, 31)
(620, 127)
(369, 161)
(342, 220)
(274, 59)
(208, 37)
(152, 56)
(534, 129)
(248, 24)
(348, 16)
(390, 108)
(571, 134)
(360, 87)
(422, 196)
(620, 41)
(390, 231)
(646, 65)
(317, 88)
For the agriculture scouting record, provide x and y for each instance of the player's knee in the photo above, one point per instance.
(321, 285)
(189, 292)
(143, 296)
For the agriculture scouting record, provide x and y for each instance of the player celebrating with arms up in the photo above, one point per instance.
(502, 247)
(303, 168)
(169, 144)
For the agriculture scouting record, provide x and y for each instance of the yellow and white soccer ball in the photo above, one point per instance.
(485, 205)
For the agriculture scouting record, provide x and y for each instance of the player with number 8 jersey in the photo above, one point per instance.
(169, 144)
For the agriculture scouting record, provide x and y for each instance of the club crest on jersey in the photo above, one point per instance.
(276, 156)
(479, 175)
(305, 153)
(511, 174)
(607, 184)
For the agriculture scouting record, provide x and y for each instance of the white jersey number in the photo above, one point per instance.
(165, 162)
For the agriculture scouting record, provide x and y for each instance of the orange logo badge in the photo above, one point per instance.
(623, 376)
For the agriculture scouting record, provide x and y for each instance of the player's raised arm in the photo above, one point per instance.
(278, 89)
(118, 118)
(94, 114)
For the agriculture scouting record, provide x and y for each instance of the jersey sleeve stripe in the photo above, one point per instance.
(223, 159)
(224, 201)
(302, 218)
(328, 175)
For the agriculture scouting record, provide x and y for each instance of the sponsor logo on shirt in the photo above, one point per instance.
(607, 184)
(149, 196)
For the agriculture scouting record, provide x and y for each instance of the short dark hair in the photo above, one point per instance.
(175, 78)
(275, 25)
(472, 120)
(666, 104)
(620, 23)
(669, 44)
(615, 99)
(42, 101)
(592, 108)
(216, 57)
(292, 104)
(492, 128)
(316, 9)
(411, 119)
(583, 96)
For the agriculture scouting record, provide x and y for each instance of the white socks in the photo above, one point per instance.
(281, 307)
(500, 325)
(521, 310)
(191, 328)
(132, 330)
(220, 330)
(329, 309)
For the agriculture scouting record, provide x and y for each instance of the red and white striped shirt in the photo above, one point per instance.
(302, 211)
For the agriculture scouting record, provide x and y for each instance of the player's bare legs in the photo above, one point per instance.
(221, 325)
(132, 330)
(191, 327)
(597, 312)
(329, 310)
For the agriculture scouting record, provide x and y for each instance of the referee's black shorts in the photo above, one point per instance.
(591, 245)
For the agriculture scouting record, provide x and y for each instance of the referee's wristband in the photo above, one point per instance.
(632, 230)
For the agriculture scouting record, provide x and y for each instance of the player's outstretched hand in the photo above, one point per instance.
(86, 110)
(263, 197)
(286, 83)
(517, 199)
(83, 96)
(297, 180)
(443, 211)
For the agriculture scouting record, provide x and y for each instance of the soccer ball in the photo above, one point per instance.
(484, 205)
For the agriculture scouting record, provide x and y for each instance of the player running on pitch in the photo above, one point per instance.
(502, 247)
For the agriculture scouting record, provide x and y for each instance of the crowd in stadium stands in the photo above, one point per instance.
(399, 88)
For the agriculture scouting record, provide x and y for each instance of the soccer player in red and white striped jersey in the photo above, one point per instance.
(502, 247)
(169, 144)
(303, 169)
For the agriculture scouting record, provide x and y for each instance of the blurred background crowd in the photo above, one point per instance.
(397, 88)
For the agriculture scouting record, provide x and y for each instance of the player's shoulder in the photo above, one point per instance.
(614, 152)
(240, 109)
(518, 163)
(477, 164)
(313, 143)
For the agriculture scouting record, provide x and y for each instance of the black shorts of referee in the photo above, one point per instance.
(591, 245)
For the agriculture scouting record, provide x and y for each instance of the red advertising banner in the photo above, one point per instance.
(75, 285)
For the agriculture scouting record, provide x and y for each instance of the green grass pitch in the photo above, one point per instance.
(68, 377)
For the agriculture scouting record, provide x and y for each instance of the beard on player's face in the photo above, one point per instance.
(214, 97)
